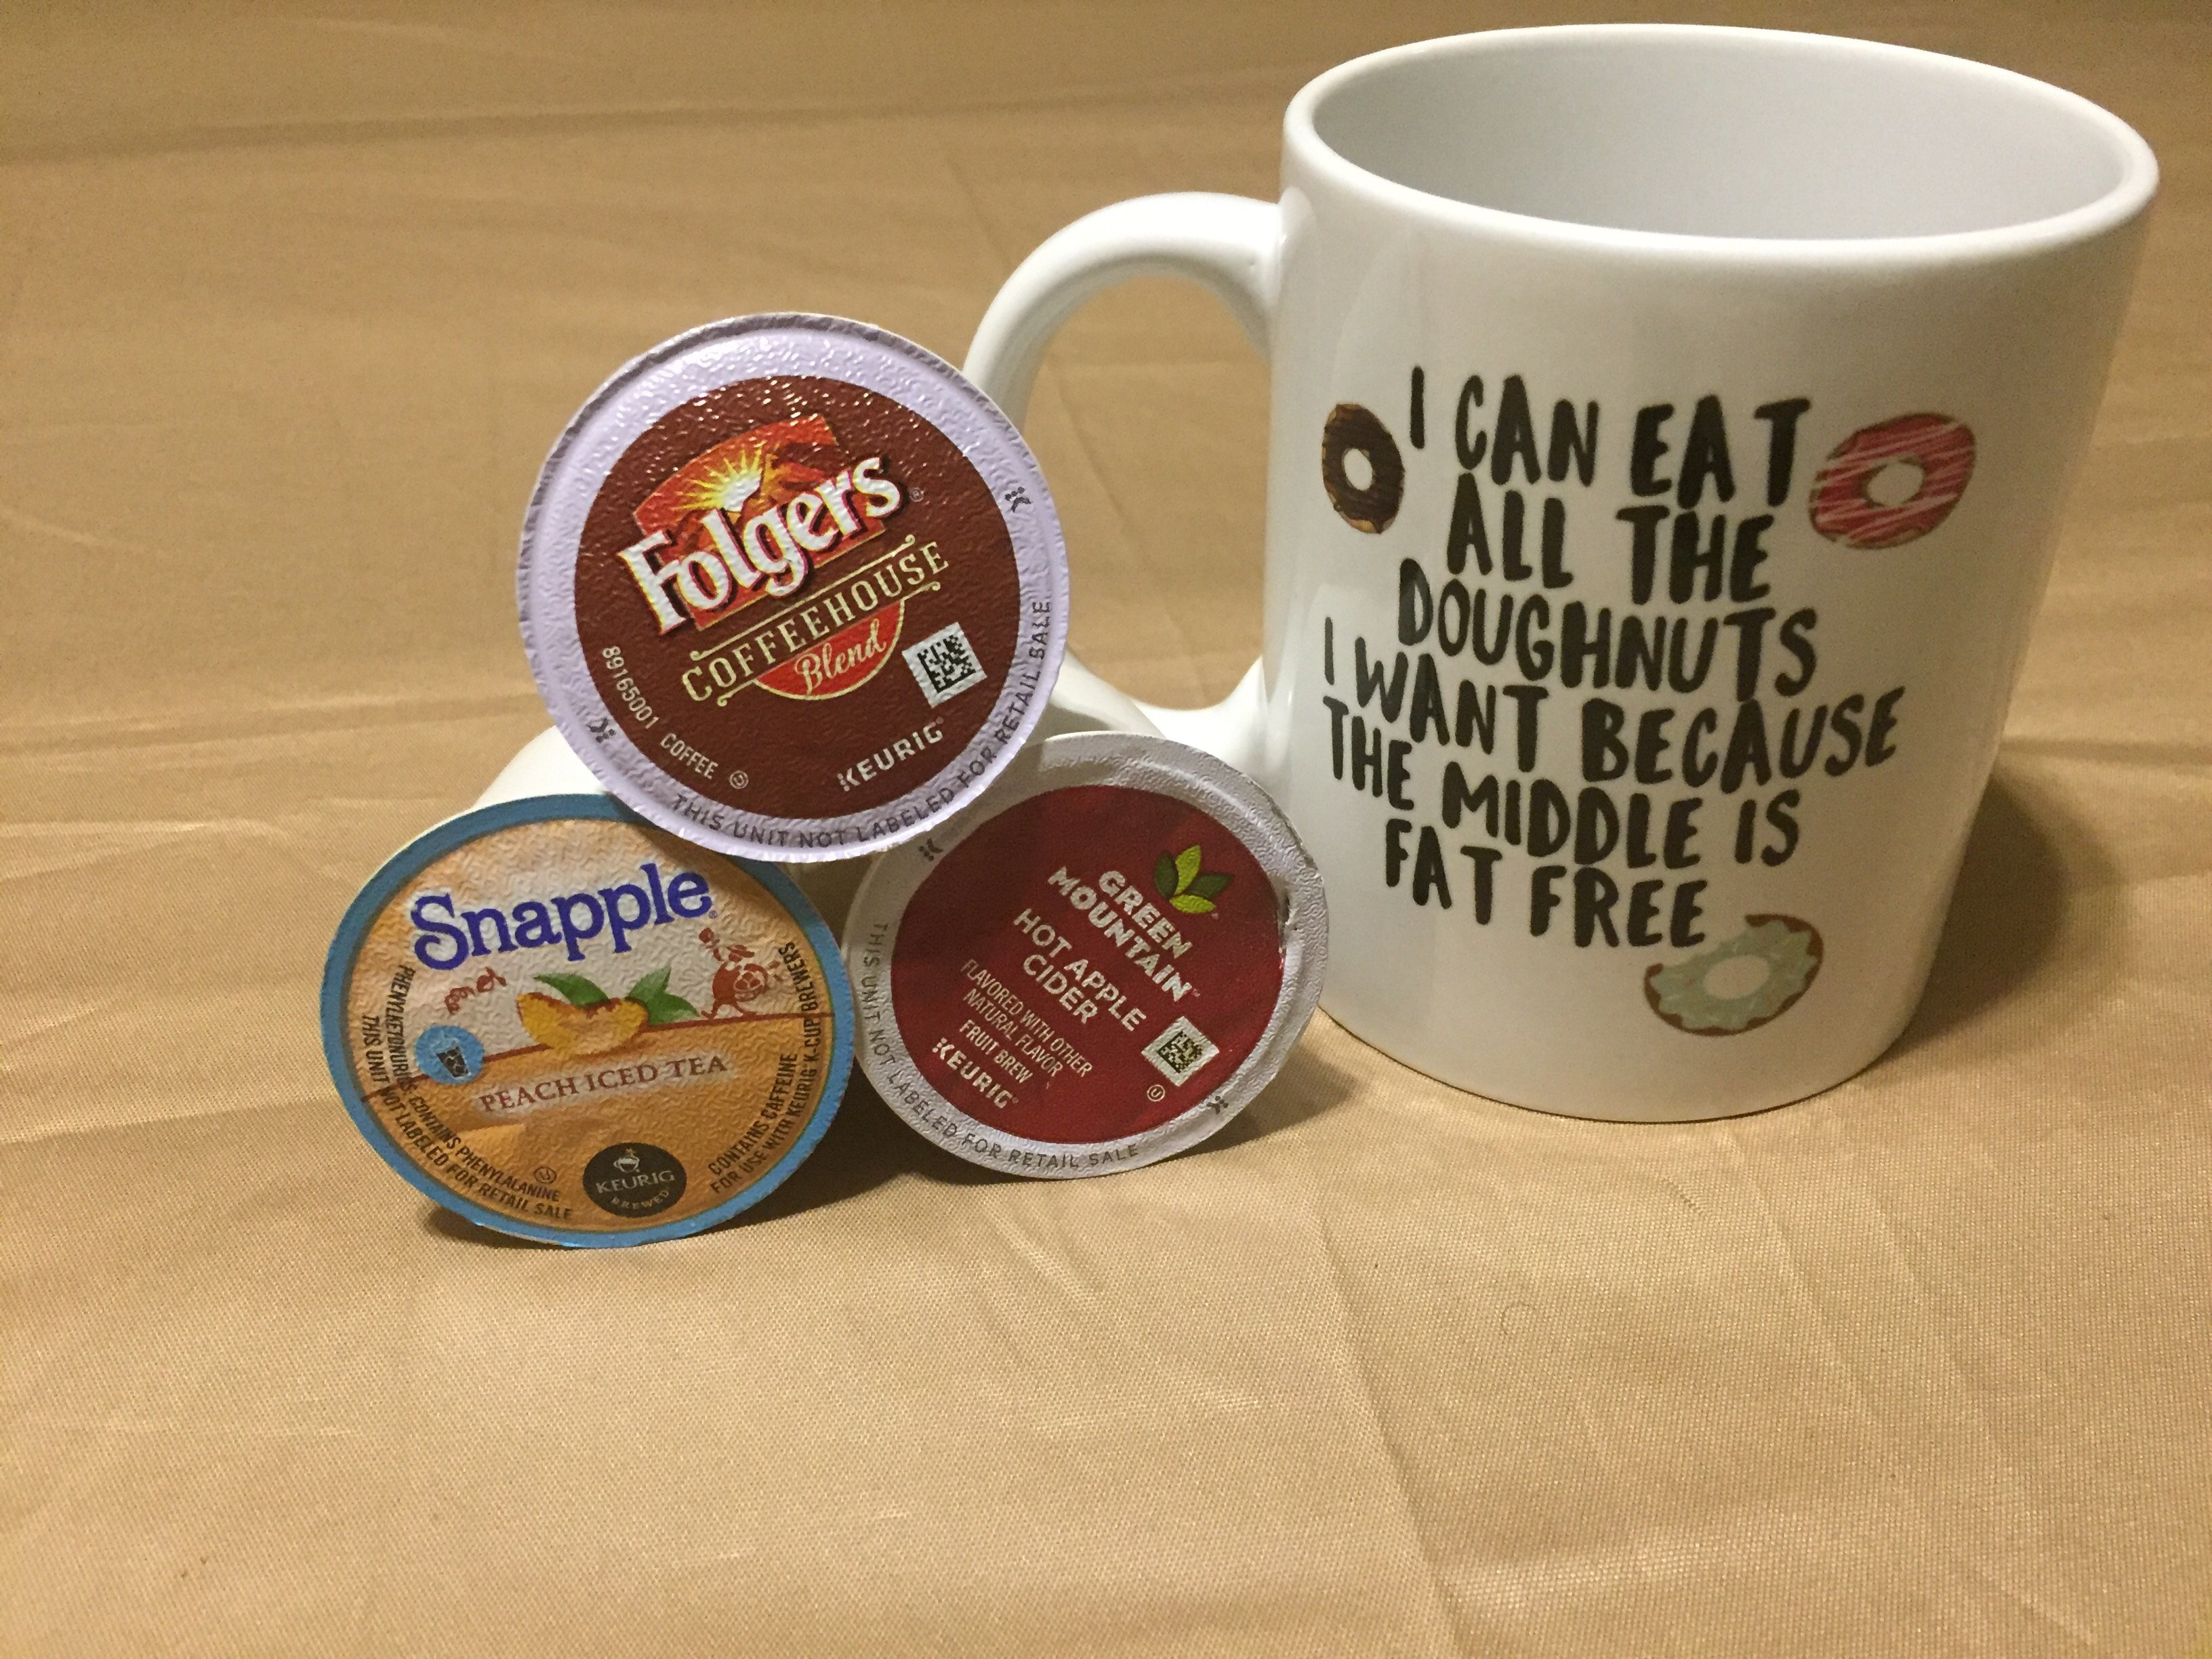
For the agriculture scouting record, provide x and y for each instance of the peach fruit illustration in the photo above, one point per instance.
(568, 1030)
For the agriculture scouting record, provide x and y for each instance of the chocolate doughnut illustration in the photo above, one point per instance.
(1742, 983)
(1352, 429)
(1942, 449)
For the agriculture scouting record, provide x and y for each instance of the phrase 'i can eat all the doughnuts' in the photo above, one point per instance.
(1582, 767)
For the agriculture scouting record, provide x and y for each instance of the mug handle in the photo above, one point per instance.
(1231, 244)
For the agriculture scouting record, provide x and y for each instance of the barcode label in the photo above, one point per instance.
(1180, 1050)
(944, 664)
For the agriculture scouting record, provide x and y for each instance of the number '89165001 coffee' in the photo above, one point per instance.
(793, 588)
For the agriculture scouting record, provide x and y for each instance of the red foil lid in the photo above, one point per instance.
(793, 588)
(1093, 968)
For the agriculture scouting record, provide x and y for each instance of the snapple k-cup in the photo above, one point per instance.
(565, 1023)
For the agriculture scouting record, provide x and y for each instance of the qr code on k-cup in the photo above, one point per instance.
(944, 664)
(1180, 1050)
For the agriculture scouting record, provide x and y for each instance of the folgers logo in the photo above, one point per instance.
(751, 519)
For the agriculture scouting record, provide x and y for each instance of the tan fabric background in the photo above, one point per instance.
(292, 302)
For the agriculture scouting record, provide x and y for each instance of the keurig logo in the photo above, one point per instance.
(632, 1179)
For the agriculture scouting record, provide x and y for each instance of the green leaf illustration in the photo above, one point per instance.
(1192, 904)
(662, 1006)
(575, 986)
(1210, 883)
(1186, 869)
(1164, 876)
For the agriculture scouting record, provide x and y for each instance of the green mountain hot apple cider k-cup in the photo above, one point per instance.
(793, 588)
(1095, 966)
(565, 1023)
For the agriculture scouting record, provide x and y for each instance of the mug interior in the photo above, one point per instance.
(1723, 133)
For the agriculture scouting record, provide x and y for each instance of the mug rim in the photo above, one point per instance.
(2127, 198)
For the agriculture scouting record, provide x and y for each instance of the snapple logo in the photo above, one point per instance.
(751, 518)
(444, 938)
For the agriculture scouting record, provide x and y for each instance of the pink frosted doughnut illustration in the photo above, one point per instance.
(1844, 508)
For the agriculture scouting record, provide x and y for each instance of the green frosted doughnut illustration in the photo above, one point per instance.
(1741, 983)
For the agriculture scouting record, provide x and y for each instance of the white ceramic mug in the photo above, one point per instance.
(1669, 428)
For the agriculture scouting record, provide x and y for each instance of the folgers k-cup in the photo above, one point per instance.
(564, 1023)
(793, 588)
(1092, 968)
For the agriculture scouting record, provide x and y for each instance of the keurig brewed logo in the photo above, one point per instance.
(632, 1179)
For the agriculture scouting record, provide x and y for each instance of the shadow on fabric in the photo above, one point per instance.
(867, 1145)
(2036, 896)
